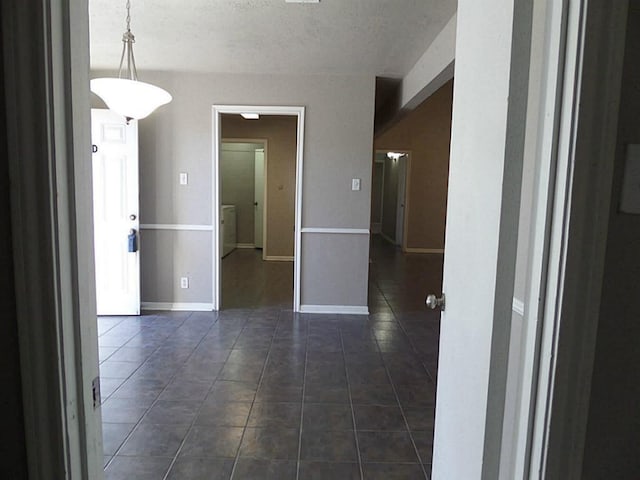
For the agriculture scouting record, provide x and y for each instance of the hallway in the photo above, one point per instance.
(263, 393)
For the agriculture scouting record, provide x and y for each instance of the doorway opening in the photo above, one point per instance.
(257, 198)
(389, 195)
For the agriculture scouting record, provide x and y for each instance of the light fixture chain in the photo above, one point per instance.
(128, 15)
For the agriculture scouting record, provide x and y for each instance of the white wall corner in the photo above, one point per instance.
(433, 69)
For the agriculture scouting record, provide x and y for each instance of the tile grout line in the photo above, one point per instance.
(253, 402)
(148, 408)
(304, 385)
(404, 417)
(353, 413)
(175, 457)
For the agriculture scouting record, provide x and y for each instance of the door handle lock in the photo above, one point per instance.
(434, 302)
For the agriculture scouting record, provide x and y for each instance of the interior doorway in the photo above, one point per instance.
(389, 195)
(257, 170)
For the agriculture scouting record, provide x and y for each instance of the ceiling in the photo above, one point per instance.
(379, 37)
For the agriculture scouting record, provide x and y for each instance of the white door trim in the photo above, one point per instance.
(217, 111)
(587, 127)
(48, 137)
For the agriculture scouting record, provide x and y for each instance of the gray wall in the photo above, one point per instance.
(612, 448)
(338, 147)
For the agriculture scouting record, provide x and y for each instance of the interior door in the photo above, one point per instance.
(402, 194)
(259, 200)
(115, 212)
(485, 177)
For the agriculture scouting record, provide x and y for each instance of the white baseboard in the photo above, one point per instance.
(518, 306)
(424, 250)
(178, 307)
(276, 258)
(335, 309)
(245, 245)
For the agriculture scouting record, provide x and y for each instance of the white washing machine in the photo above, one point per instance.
(228, 229)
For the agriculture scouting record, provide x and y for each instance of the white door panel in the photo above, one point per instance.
(115, 204)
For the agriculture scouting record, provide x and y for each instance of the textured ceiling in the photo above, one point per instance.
(380, 37)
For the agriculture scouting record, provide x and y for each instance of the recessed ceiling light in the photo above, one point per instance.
(250, 116)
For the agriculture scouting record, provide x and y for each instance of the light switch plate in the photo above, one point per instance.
(184, 178)
(355, 184)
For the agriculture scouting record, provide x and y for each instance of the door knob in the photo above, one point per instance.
(132, 217)
(434, 302)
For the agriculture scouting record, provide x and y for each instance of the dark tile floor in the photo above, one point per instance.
(264, 393)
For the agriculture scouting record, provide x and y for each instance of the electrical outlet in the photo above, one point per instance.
(355, 184)
(184, 179)
(184, 282)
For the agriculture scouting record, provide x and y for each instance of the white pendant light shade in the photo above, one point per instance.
(126, 95)
(130, 98)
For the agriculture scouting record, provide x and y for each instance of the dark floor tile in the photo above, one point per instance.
(420, 418)
(140, 468)
(224, 414)
(169, 412)
(212, 442)
(201, 469)
(241, 372)
(154, 440)
(318, 393)
(109, 385)
(113, 435)
(328, 446)
(386, 447)
(116, 410)
(270, 443)
(105, 352)
(393, 471)
(131, 354)
(424, 444)
(281, 415)
(379, 418)
(143, 390)
(180, 389)
(367, 374)
(326, 416)
(417, 395)
(276, 392)
(329, 471)
(229, 391)
(248, 357)
(105, 460)
(363, 394)
(114, 369)
(250, 469)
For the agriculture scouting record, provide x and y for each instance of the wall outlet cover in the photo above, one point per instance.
(355, 184)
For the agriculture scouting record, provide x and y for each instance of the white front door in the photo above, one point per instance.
(259, 200)
(485, 177)
(115, 213)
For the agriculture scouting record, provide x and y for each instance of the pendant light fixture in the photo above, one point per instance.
(126, 95)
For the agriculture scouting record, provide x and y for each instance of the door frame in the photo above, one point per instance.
(265, 146)
(405, 200)
(49, 107)
(217, 112)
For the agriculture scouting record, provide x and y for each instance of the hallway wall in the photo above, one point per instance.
(426, 132)
(280, 133)
(178, 138)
